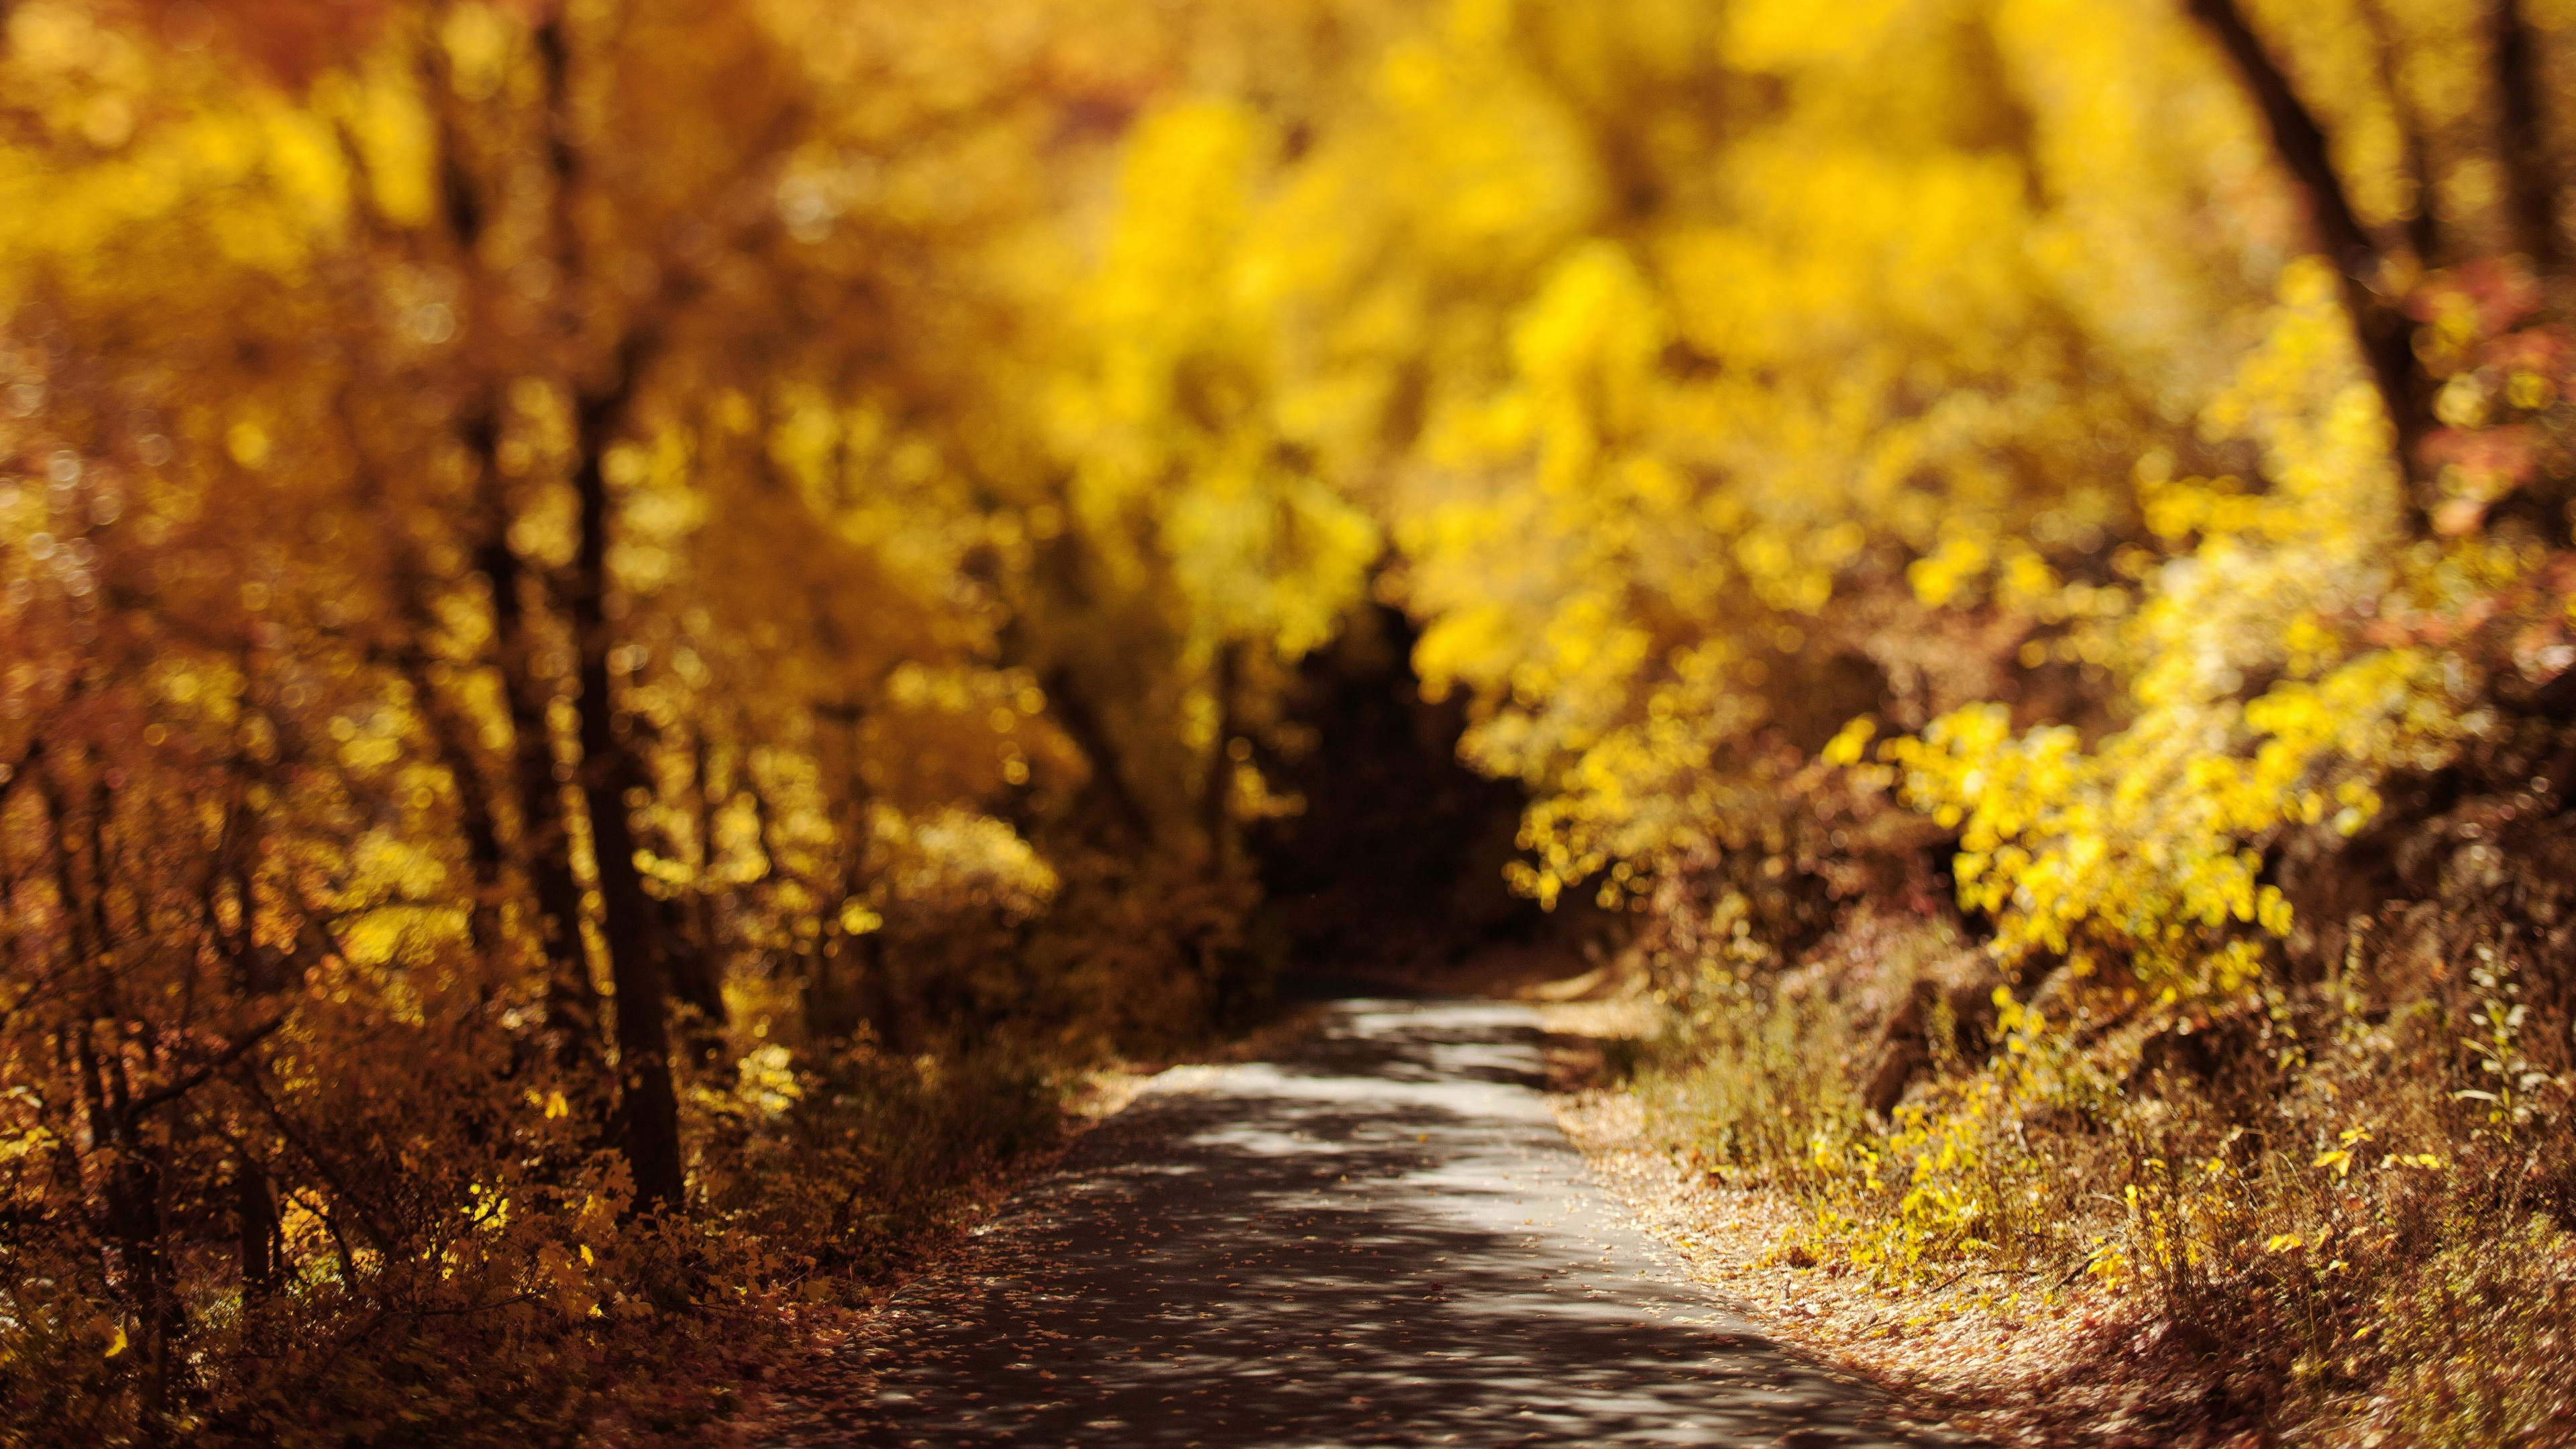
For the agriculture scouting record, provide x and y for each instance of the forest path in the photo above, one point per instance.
(1379, 1237)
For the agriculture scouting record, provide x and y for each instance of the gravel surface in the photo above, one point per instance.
(1378, 1237)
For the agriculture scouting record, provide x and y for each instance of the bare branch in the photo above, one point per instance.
(229, 1055)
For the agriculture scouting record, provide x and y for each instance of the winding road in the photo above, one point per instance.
(1379, 1238)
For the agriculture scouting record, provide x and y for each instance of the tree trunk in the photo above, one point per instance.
(612, 774)
(450, 738)
(2381, 329)
(1108, 781)
(697, 966)
(883, 995)
(256, 1229)
(545, 841)
(2533, 182)
(1216, 799)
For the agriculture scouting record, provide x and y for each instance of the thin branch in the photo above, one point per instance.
(225, 1058)
(321, 1165)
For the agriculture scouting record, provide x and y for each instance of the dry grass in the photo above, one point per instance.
(1980, 1353)
(2248, 1283)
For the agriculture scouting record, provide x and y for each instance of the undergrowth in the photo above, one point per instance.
(2334, 1212)
(550, 1315)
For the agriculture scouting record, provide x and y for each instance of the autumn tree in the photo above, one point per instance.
(523, 528)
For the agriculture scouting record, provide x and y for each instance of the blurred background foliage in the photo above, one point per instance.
(635, 628)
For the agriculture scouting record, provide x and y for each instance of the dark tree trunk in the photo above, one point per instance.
(545, 841)
(612, 776)
(883, 994)
(1216, 798)
(451, 736)
(2380, 326)
(1108, 781)
(2533, 178)
(256, 1229)
(697, 965)
(129, 1186)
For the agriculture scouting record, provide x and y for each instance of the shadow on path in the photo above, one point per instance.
(1381, 1238)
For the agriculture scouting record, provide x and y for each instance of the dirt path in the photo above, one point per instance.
(1379, 1238)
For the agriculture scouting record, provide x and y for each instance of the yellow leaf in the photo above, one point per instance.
(1845, 748)
(116, 1345)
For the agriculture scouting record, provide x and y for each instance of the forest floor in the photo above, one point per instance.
(1377, 1234)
